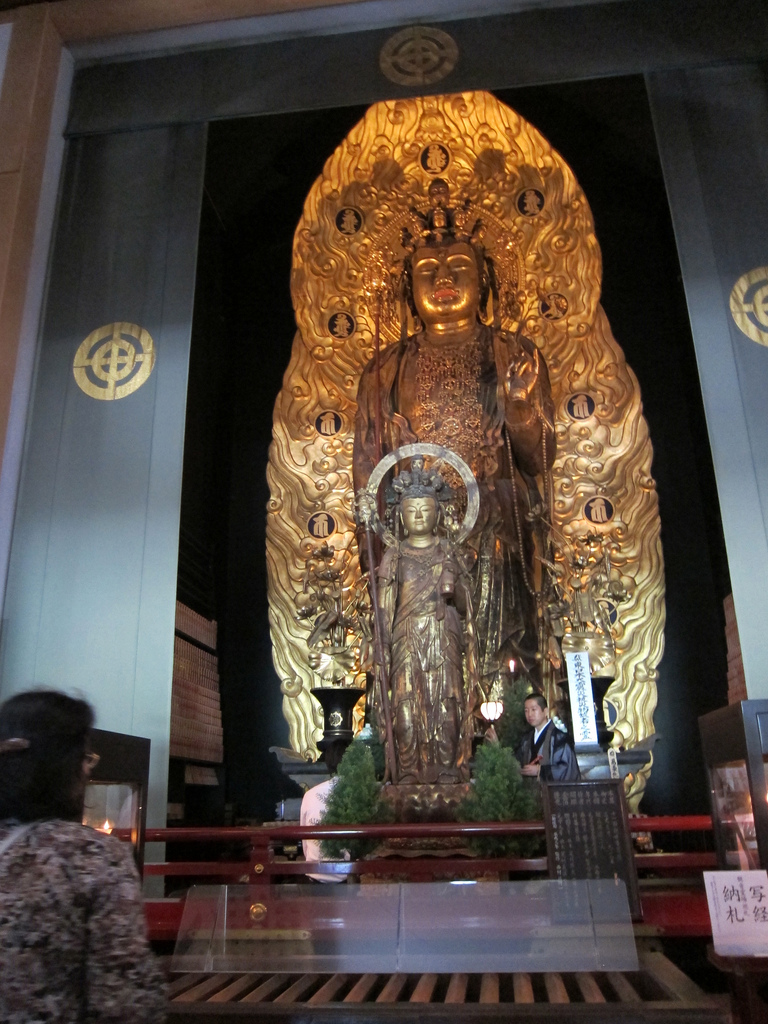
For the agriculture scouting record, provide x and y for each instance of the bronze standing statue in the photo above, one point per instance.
(480, 392)
(423, 594)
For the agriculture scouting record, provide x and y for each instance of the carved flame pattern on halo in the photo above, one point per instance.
(548, 249)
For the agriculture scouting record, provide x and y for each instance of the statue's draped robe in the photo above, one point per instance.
(455, 397)
(424, 639)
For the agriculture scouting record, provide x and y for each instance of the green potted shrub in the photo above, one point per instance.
(500, 793)
(355, 800)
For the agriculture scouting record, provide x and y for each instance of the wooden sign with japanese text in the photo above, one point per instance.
(588, 834)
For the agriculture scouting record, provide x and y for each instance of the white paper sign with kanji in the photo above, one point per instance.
(582, 703)
(738, 910)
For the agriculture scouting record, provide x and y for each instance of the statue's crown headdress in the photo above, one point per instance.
(441, 224)
(421, 483)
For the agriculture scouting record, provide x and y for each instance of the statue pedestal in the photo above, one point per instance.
(425, 801)
(304, 773)
(594, 764)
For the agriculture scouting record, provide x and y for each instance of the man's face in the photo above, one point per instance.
(534, 715)
(446, 286)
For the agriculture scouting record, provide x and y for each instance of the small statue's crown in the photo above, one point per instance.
(421, 483)
(442, 223)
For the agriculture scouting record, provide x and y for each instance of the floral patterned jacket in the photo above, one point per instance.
(72, 938)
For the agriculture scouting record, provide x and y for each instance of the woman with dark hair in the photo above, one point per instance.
(72, 939)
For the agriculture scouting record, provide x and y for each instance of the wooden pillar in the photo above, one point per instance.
(26, 103)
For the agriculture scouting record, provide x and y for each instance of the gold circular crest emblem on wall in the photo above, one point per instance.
(114, 361)
(419, 55)
(749, 304)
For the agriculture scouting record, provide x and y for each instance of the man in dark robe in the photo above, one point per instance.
(545, 752)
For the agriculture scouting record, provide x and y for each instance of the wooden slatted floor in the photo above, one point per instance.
(659, 991)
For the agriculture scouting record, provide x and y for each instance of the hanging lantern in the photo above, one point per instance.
(491, 710)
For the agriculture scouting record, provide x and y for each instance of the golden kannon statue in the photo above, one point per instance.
(505, 357)
(479, 391)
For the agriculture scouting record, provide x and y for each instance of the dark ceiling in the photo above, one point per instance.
(9, 5)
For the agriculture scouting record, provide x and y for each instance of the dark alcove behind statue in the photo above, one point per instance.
(259, 171)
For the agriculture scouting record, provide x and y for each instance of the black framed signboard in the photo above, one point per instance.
(588, 834)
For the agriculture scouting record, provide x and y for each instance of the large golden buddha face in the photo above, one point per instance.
(446, 284)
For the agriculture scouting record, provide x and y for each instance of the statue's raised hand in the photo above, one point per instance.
(522, 374)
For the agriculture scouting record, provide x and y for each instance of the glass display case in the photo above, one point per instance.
(735, 745)
(116, 794)
(408, 928)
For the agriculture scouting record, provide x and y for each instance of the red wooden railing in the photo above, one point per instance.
(671, 910)
(263, 866)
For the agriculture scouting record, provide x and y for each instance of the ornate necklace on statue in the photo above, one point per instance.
(448, 395)
(423, 557)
